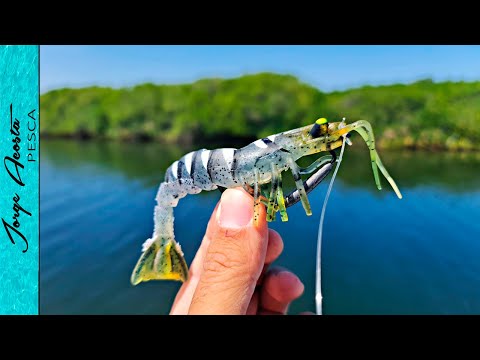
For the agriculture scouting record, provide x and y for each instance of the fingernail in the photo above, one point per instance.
(235, 209)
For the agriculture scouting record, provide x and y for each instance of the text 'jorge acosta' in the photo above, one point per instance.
(14, 168)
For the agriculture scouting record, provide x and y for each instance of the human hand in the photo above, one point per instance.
(229, 272)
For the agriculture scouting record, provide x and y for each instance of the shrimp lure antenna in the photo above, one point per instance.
(365, 130)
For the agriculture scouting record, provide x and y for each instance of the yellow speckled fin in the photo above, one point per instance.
(162, 260)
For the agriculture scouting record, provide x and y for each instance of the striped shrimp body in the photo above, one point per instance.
(252, 167)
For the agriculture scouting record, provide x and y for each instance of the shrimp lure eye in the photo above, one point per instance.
(320, 128)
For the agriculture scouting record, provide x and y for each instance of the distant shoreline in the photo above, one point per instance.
(75, 138)
(443, 116)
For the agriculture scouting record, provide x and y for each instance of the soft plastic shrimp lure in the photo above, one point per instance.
(252, 166)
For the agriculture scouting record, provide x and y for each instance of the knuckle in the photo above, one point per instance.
(232, 256)
(218, 261)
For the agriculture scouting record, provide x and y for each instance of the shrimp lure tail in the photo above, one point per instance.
(161, 260)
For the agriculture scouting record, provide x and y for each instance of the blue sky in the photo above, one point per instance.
(327, 67)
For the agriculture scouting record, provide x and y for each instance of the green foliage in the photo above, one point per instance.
(420, 115)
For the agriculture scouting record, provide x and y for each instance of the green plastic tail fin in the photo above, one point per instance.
(162, 260)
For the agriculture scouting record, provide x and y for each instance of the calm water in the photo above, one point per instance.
(381, 255)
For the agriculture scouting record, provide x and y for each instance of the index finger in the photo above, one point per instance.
(280, 288)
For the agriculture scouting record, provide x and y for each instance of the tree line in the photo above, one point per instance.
(421, 115)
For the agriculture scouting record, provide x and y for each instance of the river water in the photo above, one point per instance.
(381, 255)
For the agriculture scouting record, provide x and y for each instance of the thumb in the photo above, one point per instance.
(234, 258)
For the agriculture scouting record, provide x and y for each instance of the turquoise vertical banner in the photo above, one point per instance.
(19, 201)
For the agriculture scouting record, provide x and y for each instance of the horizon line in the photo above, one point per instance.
(378, 85)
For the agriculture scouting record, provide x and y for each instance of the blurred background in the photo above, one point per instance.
(113, 118)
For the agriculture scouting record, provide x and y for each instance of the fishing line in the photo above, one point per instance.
(318, 280)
